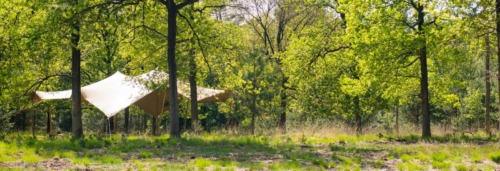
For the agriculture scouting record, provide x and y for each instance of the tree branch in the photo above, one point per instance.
(198, 40)
(327, 52)
(183, 4)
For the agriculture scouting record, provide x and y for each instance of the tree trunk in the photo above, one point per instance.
(497, 9)
(49, 120)
(357, 114)
(127, 117)
(424, 85)
(172, 70)
(144, 122)
(282, 122)
(254, 112)
(76, 112)
(33, 127)
(112, 124)
(487, 117)
(155, 125)
(397, 120)
(253, 106)
(194, 93)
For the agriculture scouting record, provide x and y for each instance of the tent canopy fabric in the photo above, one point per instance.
(115, 93)
(41, 95)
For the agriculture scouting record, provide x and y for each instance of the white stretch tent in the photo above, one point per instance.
(115, 93)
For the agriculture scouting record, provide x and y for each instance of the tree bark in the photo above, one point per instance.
(253, 106)
(127, 118)
(487, 117)
(254, 112)
(194, 93)
(397, 119)
(357, 114)
(49, 119)
(172, 70)
(144, 122)
(282, 122)
(33, 122)
(155, 125)
(76, 112)
(424, 85)
(497, 10)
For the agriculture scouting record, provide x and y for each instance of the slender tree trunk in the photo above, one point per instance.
(33, 127)
(49, 120)
(24, 124)
(144, 122)
(194, 93)
(127, 118)
(111, 126)
(397, 119)
(172, 70)
(253, 107)
(357, 114)
(76, 119)
(424, 85)
(487, 117)
(254, 112)
(154, 125)
(282, 122)
(497, 9)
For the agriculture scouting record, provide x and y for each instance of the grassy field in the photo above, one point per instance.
(233, 152)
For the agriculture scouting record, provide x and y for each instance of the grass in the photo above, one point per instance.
(266, 152)
(495, 157)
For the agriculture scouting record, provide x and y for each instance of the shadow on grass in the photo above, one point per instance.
(447, 138)
(244, 150)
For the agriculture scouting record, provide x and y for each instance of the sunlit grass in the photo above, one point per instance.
(264, 152)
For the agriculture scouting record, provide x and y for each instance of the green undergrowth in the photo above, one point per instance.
(233, 152)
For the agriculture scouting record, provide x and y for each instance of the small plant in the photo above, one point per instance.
(440, 165)
(30, 158)
(495, 157)
(145, 154)
(461, 167)
(406, 158)
(410, 166)
(439, 156)
(83, 161)
(110, 160)
(94, 143)
(320, 162)
(336, 148)
(202, 163)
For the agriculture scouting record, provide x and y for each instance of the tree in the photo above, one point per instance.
(173, 9)
(76, 112)
(487, 117)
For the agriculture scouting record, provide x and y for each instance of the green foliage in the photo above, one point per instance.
(110, 160)
(201, 163)
(145, 154)
(495, 157)
(461, 167)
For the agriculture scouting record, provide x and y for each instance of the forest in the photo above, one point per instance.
(314, 84)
